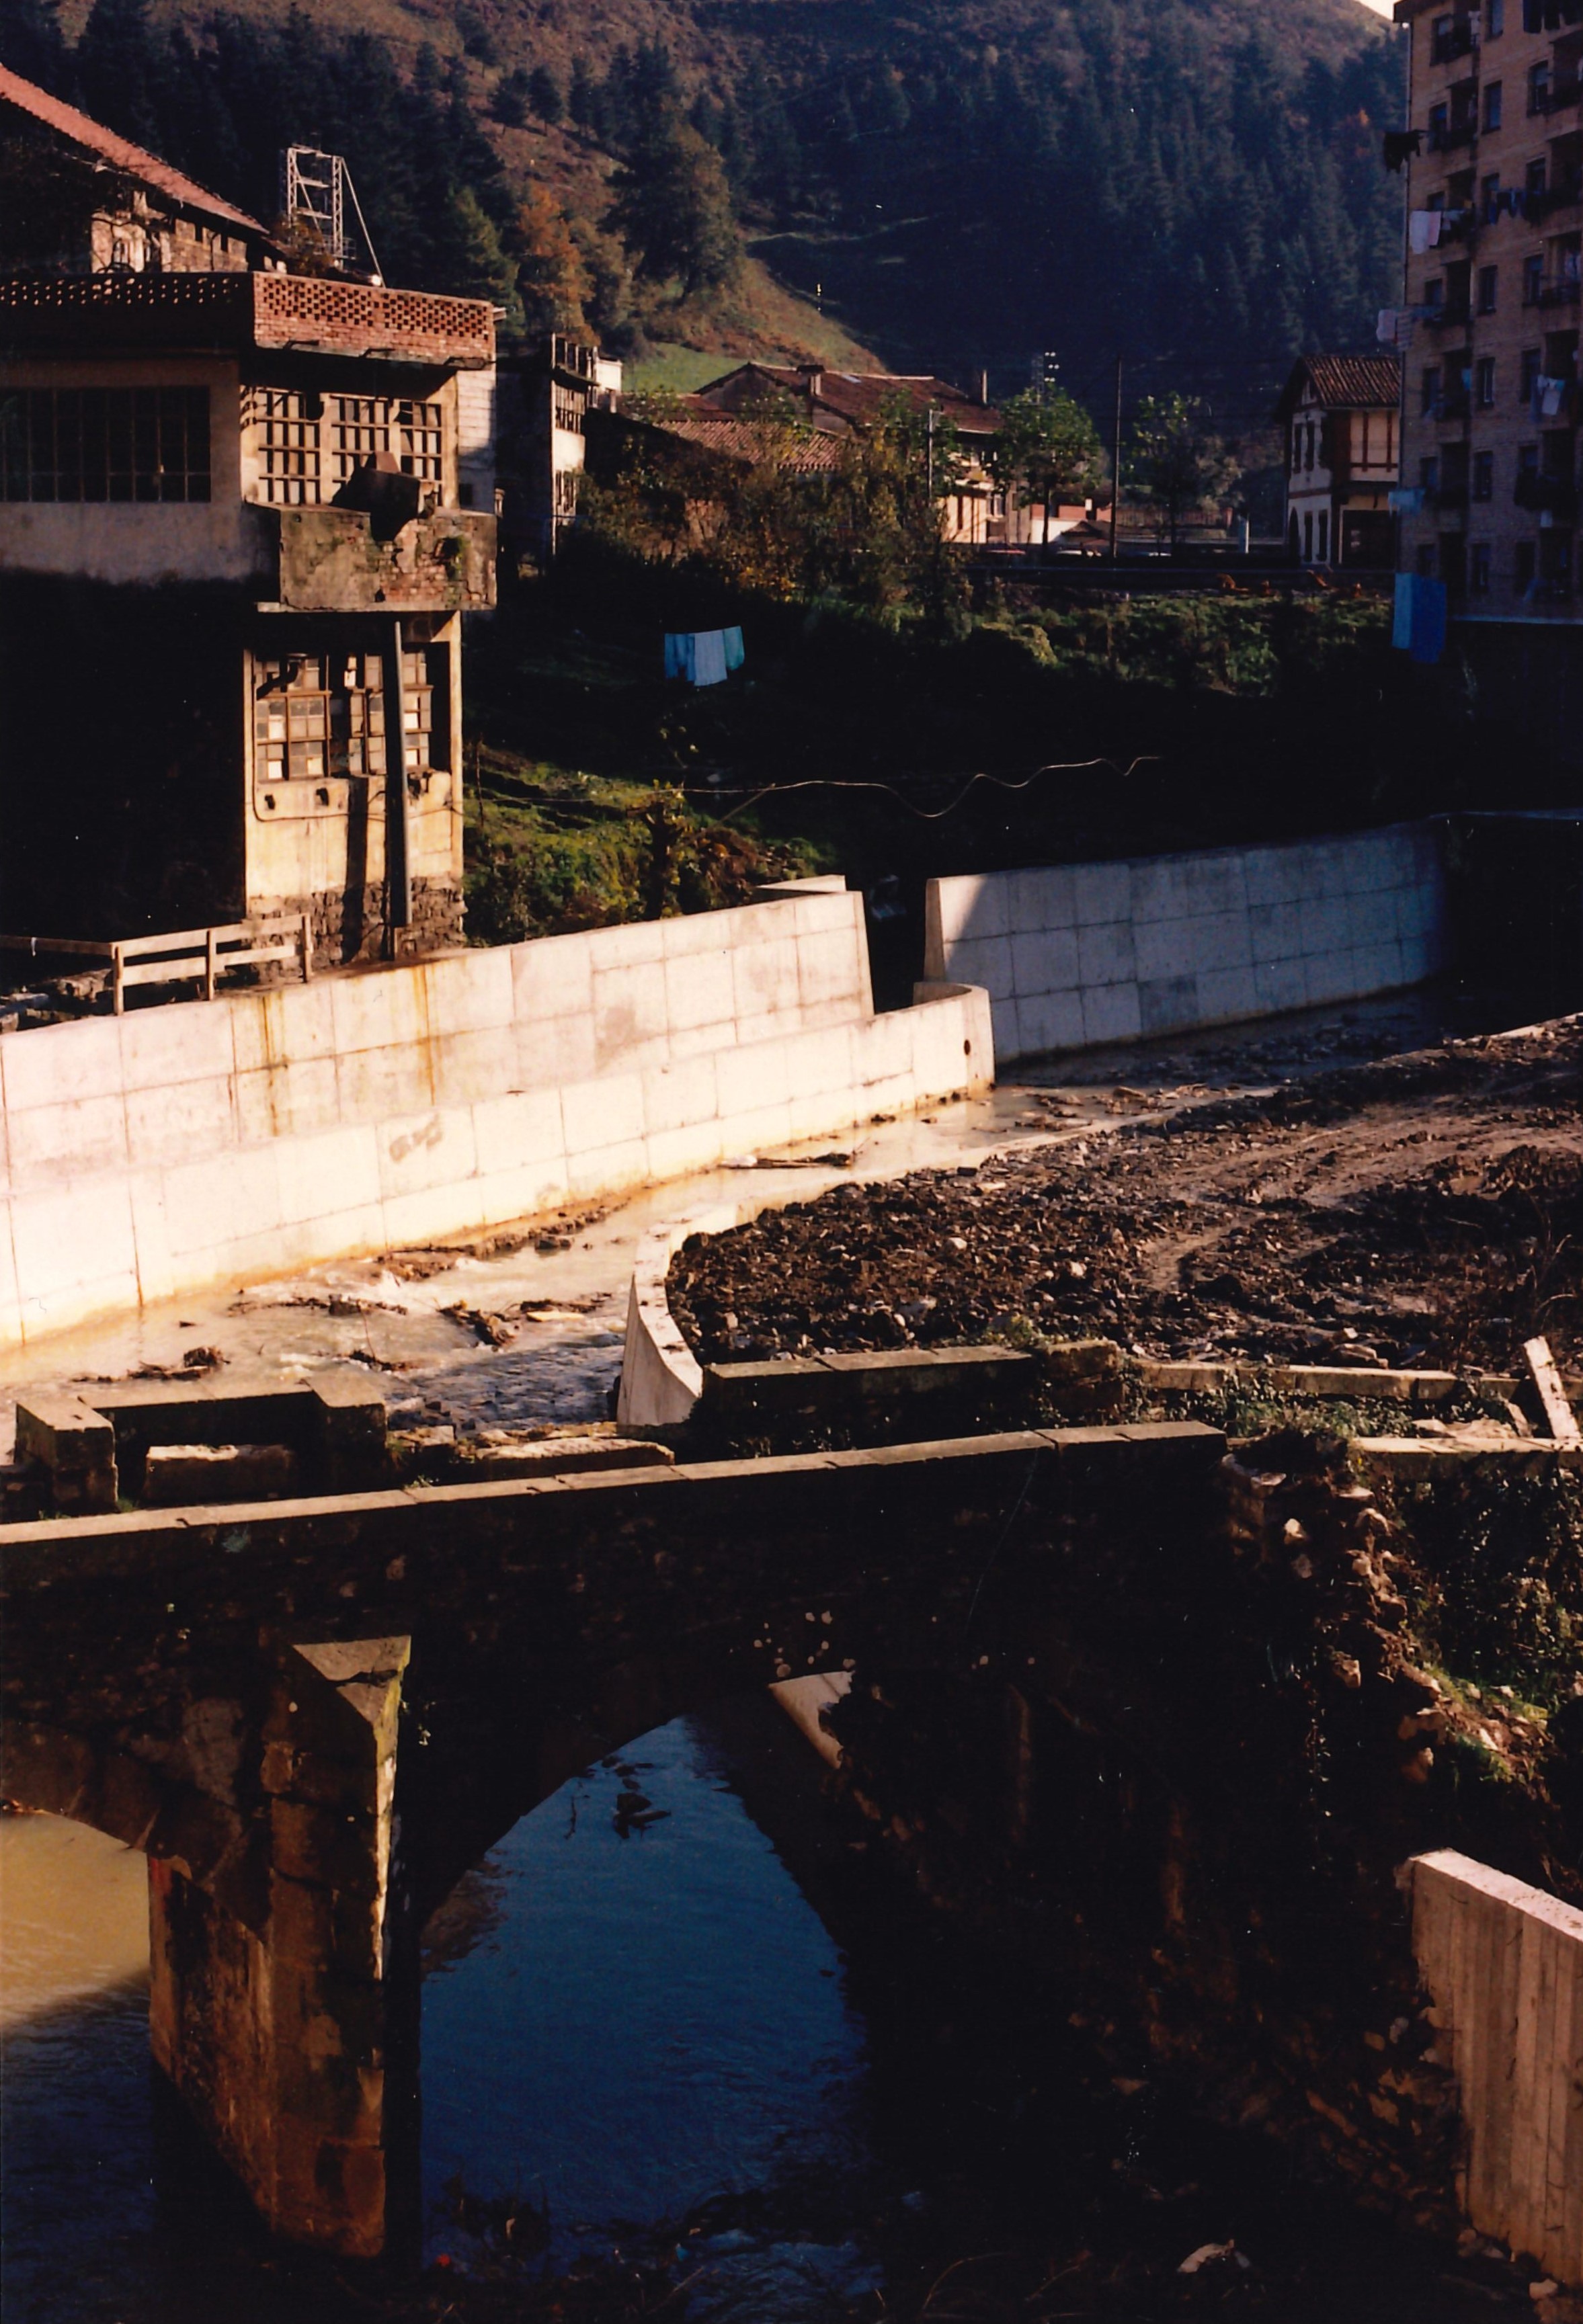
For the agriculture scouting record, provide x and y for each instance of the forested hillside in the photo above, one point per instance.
(1193, 183)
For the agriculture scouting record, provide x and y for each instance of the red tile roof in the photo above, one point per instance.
(119, 152)
(804, 450)
(857, 399)
(1344, 382)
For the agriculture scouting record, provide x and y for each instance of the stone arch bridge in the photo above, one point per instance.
(314, 1716)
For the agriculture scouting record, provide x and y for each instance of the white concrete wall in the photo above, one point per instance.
(202, 1143)
(1504, 1963)
(1077, 954)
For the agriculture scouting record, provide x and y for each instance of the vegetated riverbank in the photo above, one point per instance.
(1113, 724)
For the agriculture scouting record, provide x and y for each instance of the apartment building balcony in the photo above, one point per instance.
(341, 561)
(1558, 290)
(1452, 315)
(1449, 136)
(1458, 39)
(1561, 97)
(1451, 410)
(1553, 496)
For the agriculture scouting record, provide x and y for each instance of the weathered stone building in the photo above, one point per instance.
(1341, 418)
(231, 536)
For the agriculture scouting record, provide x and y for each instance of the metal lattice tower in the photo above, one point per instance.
(317, 191)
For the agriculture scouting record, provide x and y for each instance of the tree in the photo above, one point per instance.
(583, 99)
(545, 96)
(33, 43)
(672, 208)
(508, 104)
(1177, 465)
(1048, 451)
(552, 282)
(118, 66)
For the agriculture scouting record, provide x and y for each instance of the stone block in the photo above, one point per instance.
(295, 1101)
(1164, 951)
(1281, 984)
(1101, 892)
(467, 1066)
(606, 1169)
(986, 961)
(552, 976)
(1111, 1012)
(190, 1476)
(560, 1456)
(76, 1444)
(1045, 961)
(472, 992)
(350, 1413)
(1275, 875)
(763, 981)
(55, 1065)
(73, 1247)
(513, 1132)
(180, 1120)
(629, 1013)
(1167, 1004)
(379, 1009)
(319, 1176)
(1227, 994)
(752, 1078)
(185, 1041)
(75, 1138)
(425, 1151)
(973, 905)
(1043, 896)
(599, 1113)
(832, 969)
(1047, 1021)
(1105, 952)
(700, 991)
(1275, 931)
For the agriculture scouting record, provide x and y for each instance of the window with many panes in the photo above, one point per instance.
(1484, 475)
(104, 443)
(1484, 379)
(305, 446)
(316, 716)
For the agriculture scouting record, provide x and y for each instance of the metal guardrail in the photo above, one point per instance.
(185, 956)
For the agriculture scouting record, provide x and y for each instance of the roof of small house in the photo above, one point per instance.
(855, 398)
(115, 152)
(1344, 383)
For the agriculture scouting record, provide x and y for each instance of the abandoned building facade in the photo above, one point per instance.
(232, 541)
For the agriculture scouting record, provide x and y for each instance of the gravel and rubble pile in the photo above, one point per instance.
(1416, 1211)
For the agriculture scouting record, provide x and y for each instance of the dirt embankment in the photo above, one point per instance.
(1420, 1211)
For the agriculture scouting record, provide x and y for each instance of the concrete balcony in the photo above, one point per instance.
(333, 560)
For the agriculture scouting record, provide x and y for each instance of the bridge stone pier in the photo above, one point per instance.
(314, 1716)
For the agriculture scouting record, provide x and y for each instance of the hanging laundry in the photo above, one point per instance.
(1399, 143)
(735, 654)
(1423, 230)
(709, 662)
(678, 650)
(1550, 397)
(1419, 625)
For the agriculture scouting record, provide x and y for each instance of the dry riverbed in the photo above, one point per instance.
(1417, 1209)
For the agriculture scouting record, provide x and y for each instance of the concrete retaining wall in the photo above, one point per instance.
(201, 1143)
(1077, 954)
(1505, 1966)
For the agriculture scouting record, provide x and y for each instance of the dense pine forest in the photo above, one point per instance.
(1193, 183)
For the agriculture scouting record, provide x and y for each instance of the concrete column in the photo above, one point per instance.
(287, 2033)
(398, 854)
(1504, 1964)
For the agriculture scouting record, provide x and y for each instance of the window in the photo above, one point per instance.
(1484, 475)
(104, 443)
(1489, 283)
(1492, 105)
(1428, 474)
(1528, 370)
(315, 717)
(307, 446)
(1490, 194)
(1478, 577)
(1431, 386)
(1535, 179)
(1528, 459)
(1434, 294)
(1483, 377)
(570, 407)
(1308, 536)
(1538, 86)
(1494, 19)
(1532, 279)
(1523, 568)
(1426, 561)
(1440, 127)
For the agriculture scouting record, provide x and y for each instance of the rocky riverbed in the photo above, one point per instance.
(1420, 1210)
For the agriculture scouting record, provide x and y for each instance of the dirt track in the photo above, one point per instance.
(1422, 1210)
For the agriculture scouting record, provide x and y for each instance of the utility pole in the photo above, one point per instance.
(1115, 465)
(929, 435)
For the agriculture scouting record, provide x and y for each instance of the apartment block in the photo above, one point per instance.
(1489, 331)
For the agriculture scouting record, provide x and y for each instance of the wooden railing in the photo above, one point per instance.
(185, 956)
